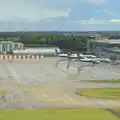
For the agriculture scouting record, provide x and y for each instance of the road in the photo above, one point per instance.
(35, 84)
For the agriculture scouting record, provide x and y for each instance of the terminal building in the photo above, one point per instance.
(7, 46)
(106, 48)
(19, 49)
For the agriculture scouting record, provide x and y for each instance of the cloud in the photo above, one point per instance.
(97, 22)
(37, 10)
(28, 11)
(115, 20)
(91, 21)
(109, 12)
(58, 15)
(95, 1)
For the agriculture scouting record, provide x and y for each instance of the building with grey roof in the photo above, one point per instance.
(106, 48)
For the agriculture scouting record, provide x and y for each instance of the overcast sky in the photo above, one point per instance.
(61, 15)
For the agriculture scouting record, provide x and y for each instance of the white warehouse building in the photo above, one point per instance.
(39, 51)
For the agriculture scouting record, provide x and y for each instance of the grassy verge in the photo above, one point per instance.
(100, 93)
(103, 81)
(57, 114)
(117, 109)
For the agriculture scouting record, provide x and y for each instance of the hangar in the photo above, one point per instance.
(37, 51)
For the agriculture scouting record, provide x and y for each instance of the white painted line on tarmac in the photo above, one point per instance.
(70, 98)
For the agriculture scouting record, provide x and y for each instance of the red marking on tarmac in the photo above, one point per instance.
(21, 57)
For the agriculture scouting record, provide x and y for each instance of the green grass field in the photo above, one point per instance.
(117, 109)
(100, 93)
(103, 81)
(57, 114)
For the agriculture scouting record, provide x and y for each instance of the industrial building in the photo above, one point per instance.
(19, 49)
(37, 51)
(107, 48)
(7, 46)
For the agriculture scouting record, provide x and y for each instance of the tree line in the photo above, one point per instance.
(61, 41)
(38, 40)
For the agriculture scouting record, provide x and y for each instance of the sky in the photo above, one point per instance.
(59, 15)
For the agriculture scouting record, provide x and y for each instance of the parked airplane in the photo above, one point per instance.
(87, 60)
(116, 62)
(73, 56)
(90, 57)
(77, 57)
(103, 60)
(60, 54)
(83, 58)
(81, 55)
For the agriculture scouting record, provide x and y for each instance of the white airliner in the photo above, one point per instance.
(86, 58)
(73, 55)
(103, 60)
(81, 57)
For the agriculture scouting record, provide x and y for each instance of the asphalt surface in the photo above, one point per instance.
(37, 84)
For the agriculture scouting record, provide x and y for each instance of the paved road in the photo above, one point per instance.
(34, 84)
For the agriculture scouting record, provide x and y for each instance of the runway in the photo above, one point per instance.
(36, 84)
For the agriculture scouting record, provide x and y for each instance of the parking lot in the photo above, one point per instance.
(31, 84)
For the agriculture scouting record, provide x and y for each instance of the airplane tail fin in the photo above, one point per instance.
(56, 51)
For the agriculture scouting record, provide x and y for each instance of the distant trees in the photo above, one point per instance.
(114, 37)
(37, 39)
(34, 39)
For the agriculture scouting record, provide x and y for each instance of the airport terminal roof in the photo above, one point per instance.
(116, 50)
(111, 41)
